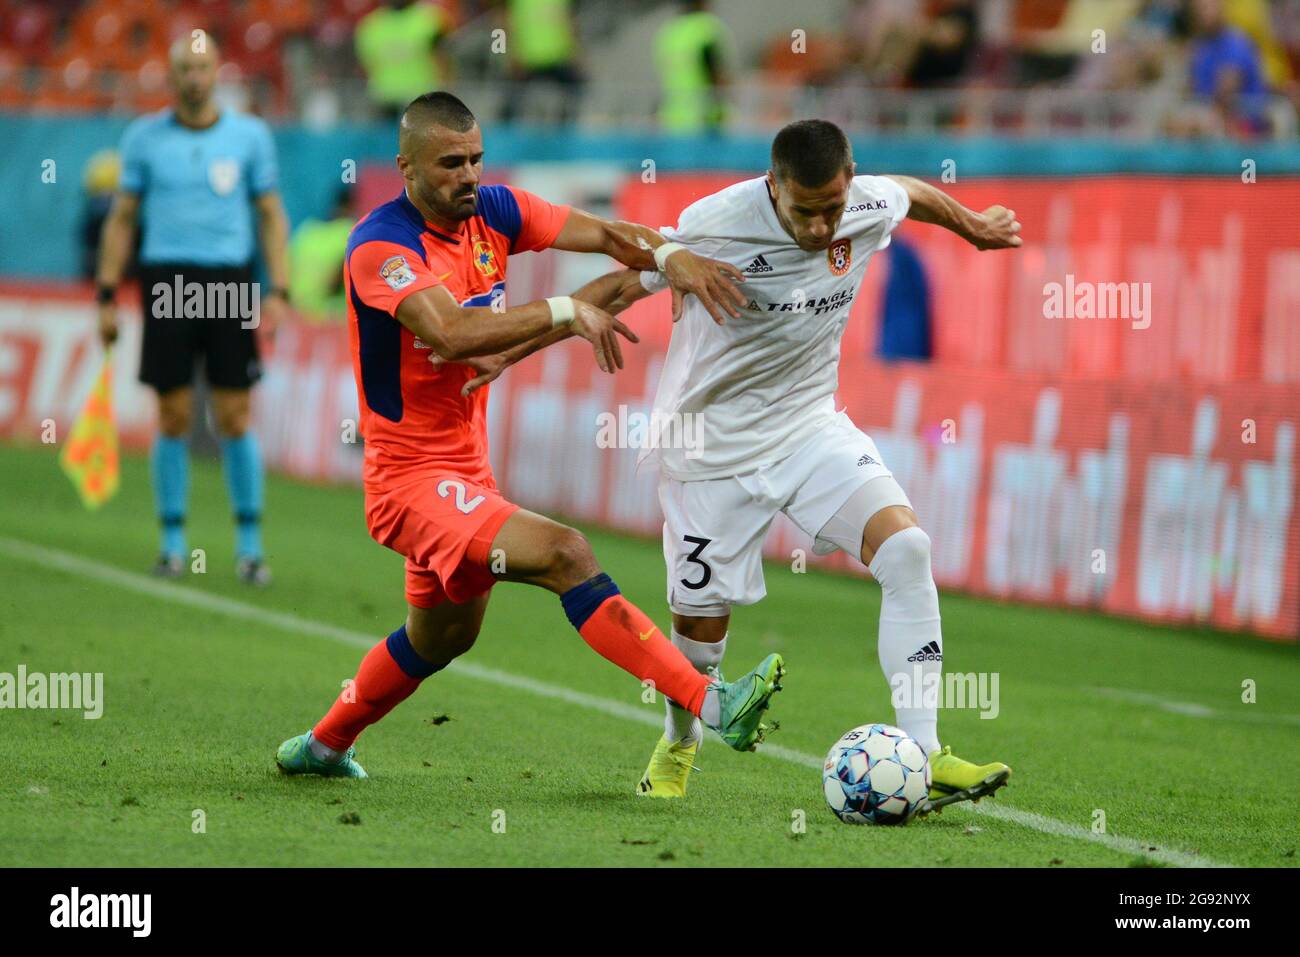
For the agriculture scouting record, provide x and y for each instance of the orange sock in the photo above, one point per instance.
(389, 673)
(622, 633)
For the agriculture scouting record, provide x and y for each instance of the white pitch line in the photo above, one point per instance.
(178, 594)
(1191, 709)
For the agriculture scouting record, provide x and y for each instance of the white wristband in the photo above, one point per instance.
(664, 251)
(561, 310)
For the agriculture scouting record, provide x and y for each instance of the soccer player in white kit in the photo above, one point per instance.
(747, 425)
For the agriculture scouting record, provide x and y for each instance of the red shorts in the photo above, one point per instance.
(444, 524)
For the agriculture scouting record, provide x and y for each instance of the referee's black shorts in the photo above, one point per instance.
(174, 342)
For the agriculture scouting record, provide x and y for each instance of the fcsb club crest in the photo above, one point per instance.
(839, 256)
(485, 257)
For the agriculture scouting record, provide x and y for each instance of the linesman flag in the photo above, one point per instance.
(89, 456)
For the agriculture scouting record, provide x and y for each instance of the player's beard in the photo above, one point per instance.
(459, 208)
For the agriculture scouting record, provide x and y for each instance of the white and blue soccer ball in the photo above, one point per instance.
(876, 774)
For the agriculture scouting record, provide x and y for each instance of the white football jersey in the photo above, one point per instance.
(737, 397)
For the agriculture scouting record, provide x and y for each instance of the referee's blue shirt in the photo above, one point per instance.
(197, 186)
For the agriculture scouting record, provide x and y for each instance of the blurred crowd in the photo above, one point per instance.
(1225, 65)
(1219, 67)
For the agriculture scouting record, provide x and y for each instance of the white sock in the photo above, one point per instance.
(711, 710)
(909, 627)
(323, 751)
(680, 724)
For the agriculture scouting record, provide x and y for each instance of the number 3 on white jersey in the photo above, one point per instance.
(447, 485)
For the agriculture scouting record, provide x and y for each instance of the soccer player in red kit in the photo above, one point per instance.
(425, 280)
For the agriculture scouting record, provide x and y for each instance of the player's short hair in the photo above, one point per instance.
(811, 153)
(441, 108)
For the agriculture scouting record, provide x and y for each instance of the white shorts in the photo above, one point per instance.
(714, 529)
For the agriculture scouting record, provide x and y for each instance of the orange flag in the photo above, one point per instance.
(89, 456)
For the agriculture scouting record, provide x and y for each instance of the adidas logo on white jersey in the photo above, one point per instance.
(759, 265)
(931, 652)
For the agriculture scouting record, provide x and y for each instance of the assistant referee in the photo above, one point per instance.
(193, 176)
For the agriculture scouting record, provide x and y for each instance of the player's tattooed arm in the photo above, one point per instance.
(612, 292)
(634, 245)
(995, 228)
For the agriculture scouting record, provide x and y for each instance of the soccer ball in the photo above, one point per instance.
(876, 774)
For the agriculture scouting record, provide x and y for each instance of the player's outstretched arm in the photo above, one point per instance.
(613, 292)
(458, 332)
(995, 228)
(640, 247)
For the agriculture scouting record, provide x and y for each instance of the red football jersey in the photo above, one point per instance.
(412, 412)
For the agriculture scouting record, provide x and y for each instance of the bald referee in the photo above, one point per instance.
(198, 180)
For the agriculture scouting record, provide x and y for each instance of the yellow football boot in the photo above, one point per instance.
(669, 768)
(953, 779)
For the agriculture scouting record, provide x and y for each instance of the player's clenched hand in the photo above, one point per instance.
(107, 323)
(996, 228)
(602, 330)
(710, 281)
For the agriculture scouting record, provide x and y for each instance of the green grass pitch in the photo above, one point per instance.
(539, 733)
